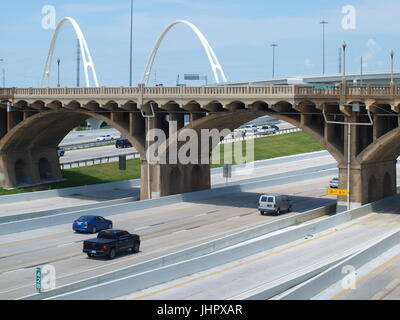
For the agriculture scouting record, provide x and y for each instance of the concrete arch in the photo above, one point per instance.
(48, 129)
(212, 58)
(387, 147)
(234, 120)
(85, 52)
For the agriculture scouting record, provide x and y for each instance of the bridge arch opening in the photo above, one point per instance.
(45, 172)
(38, 136)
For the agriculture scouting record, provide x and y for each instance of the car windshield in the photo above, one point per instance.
(84, 218)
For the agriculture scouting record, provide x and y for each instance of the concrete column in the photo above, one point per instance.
(179, 119)
(368, 182)
(196, 116)
(168, 179)
(29, 167)
(3, 123)
(13, 118)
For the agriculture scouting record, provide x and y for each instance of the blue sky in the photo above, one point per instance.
(239, 31)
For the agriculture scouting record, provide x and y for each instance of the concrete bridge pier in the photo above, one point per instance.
(166, 175)
(29, 167)
(369, 182)
(170, 179)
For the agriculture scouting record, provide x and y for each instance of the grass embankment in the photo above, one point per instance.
(264, 148)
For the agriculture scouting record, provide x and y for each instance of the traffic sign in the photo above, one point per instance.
(323, 87)
(38, 280)
(337, 192)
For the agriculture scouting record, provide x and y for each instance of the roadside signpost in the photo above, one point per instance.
(227, 171)
(38, 280)
(337, 192)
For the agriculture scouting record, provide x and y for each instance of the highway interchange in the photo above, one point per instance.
(169, 228)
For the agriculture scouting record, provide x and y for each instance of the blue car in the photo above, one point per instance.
(91, 224)
(275, 127)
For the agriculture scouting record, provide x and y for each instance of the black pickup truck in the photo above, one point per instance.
(110, 242)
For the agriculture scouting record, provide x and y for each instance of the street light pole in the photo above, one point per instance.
(273, 59)
(4, 74)
(392, 68)
(323, 45)
(131, 48)
(58, 72)
(344, 45)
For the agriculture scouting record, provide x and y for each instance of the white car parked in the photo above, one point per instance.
(266, 130)
(104, 137)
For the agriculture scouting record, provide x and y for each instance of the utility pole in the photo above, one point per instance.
(131, 48)
(78, 64)
(323, 45)
(58, 72)
(274, 45)
(361, 72)
(392, 68)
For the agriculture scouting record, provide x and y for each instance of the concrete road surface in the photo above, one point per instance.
(163, 230)
(276, 265)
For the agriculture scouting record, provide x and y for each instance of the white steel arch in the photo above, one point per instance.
(86, 56)
(214, 63)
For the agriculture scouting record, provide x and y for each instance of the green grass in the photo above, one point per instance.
(264, 148)
(280, 146)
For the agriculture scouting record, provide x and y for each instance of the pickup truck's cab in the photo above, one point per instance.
(110, 242)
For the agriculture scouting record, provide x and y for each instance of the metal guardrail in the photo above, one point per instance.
(256, 135)
(94, 161)
(85, 145)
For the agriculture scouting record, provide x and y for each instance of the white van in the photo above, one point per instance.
(274, 203)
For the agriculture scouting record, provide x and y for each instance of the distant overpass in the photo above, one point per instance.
(380, 78)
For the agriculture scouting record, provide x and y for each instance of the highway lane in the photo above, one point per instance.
(163, 231)
(273, 167)
(79, 137)
(96, 152)
(276, 265)
(379, 279)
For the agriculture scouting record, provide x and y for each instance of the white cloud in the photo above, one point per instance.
(308, 63)
(373, 49)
